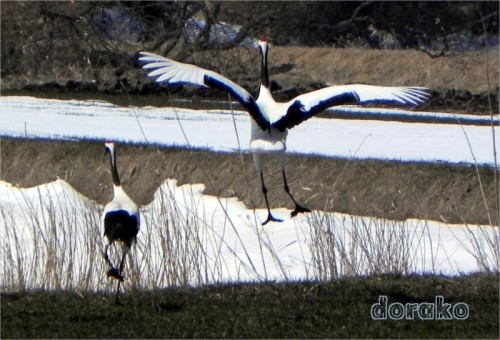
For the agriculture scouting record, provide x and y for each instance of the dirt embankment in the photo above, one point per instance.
(459, 81)
(392, 190)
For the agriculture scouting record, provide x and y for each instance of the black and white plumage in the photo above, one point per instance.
(120, 220)
(270, 119)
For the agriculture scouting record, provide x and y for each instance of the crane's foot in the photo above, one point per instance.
(299, 209)
(270, 218)
(113, 272)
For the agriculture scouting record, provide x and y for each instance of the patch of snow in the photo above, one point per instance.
(212, 240)
(220, 130)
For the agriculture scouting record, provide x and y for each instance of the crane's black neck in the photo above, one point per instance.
(114, 171)
(264, 73)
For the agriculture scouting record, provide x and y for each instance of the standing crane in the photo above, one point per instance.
(120, 220)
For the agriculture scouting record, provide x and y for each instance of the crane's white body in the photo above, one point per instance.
(121, 201)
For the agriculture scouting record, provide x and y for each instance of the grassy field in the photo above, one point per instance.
(335, 309)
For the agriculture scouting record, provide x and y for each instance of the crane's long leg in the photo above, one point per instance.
(270, 216)
(105, 255)
(118, 292)
(125, 250)
(120, 279)
(113, 272)
(298, 207)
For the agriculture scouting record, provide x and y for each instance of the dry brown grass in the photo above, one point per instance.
(465, 70)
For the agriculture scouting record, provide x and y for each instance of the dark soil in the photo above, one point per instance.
(394, 190)
(336, 309)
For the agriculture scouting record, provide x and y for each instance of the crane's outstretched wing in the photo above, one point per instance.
(309, 104)
(176, 73)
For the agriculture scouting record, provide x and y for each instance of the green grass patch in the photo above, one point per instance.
(336, 309)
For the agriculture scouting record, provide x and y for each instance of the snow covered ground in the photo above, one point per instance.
(190, 238)
(216, 130)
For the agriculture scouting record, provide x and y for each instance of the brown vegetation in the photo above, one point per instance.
(77, 46)
(392, 190)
